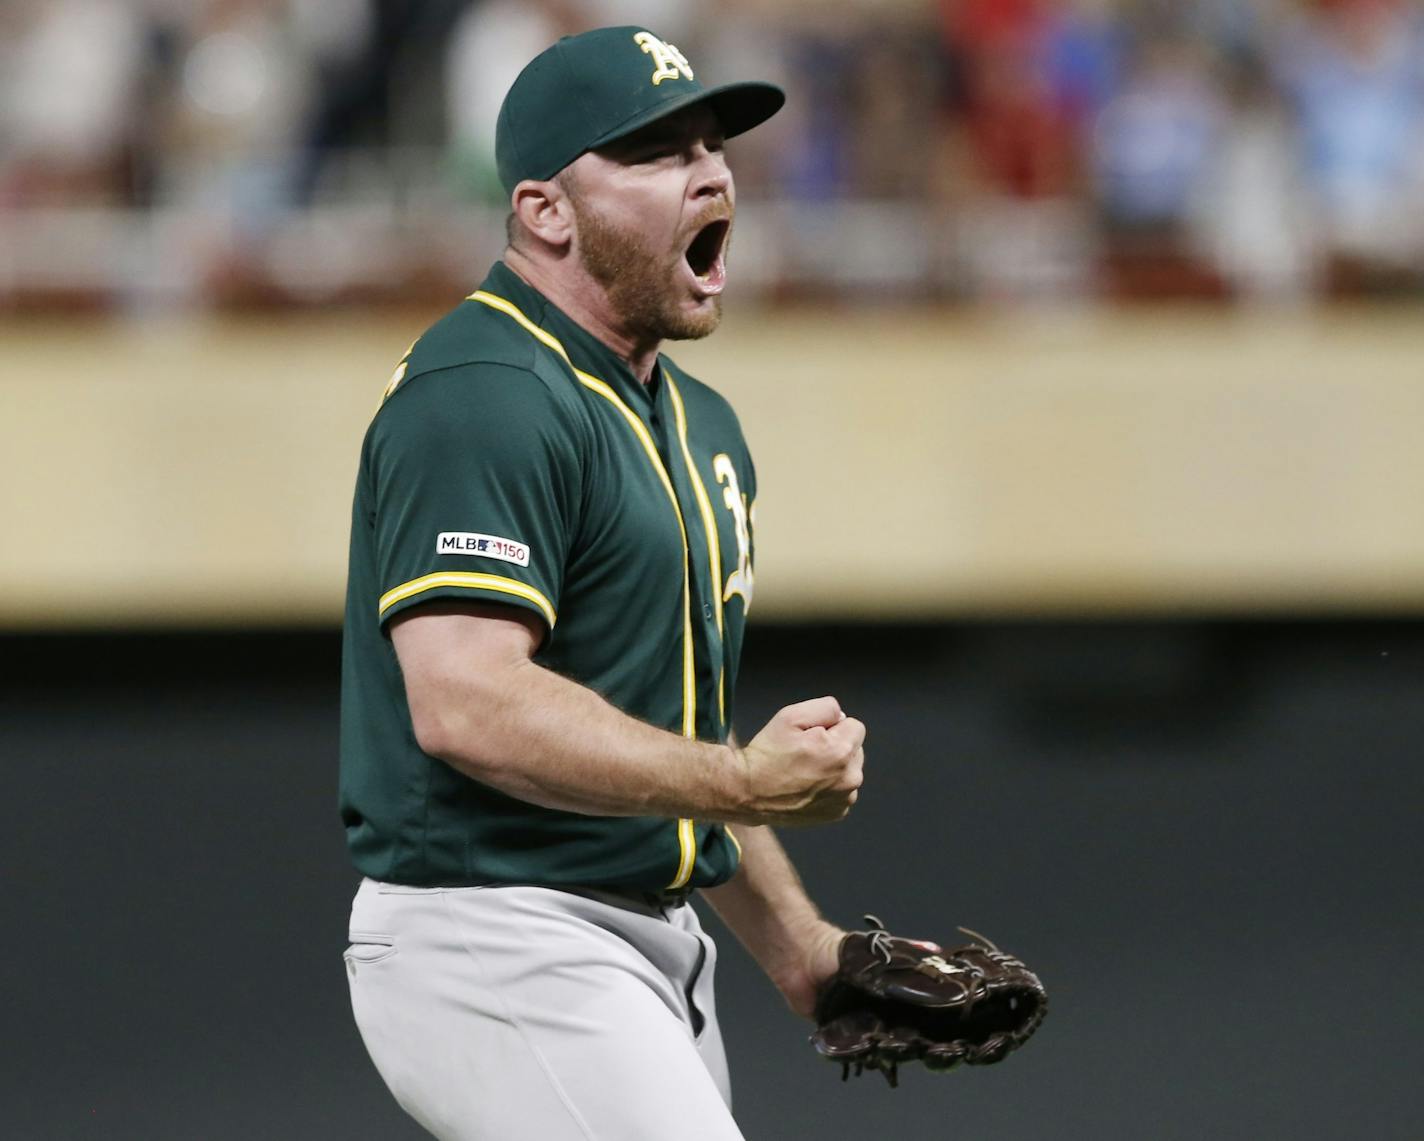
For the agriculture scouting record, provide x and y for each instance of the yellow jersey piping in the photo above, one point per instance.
(709, 525)
(467, 580)
(704, 502)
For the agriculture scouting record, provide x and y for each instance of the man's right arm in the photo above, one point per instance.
(481, 704)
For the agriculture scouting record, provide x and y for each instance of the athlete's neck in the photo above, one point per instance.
(584, 301)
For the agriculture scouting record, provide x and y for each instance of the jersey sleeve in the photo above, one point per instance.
(476, 472)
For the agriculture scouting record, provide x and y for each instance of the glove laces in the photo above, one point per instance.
(880, 939)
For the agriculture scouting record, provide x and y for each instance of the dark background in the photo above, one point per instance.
(1203, 835)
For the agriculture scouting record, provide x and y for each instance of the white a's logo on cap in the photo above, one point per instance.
(671, 62)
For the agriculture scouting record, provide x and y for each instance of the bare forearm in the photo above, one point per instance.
(479, 702)
(542, 738)
(768, 910)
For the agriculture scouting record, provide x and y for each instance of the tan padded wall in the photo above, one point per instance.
(910, 464)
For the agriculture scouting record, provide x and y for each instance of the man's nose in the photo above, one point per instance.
(713, 177)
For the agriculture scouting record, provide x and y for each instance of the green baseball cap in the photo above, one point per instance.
(590, 89)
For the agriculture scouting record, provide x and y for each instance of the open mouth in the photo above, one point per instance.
(706, 256)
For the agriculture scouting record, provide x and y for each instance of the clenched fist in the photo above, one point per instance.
(804, 767)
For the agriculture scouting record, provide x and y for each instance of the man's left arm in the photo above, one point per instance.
(767, 908)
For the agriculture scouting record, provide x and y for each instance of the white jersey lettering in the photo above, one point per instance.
(740, 581)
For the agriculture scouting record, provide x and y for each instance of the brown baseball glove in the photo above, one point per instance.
(896, 1000)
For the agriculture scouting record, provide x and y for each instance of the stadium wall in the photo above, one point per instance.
(911, 463)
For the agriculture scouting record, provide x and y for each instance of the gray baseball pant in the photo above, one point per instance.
(509, 1012)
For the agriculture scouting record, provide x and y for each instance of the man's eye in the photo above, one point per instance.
(658, 152)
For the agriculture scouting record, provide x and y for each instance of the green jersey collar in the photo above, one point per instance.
(586, 351)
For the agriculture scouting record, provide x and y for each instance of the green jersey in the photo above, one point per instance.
(516, 459)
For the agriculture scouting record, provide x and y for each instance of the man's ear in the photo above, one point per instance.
(544, 210)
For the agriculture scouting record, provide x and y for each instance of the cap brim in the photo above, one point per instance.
(738, 106)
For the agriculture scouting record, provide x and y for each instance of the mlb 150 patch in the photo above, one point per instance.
(484, 546)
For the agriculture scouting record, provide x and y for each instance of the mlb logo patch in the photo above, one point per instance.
(482, 546)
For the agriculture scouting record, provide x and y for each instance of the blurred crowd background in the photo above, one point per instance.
(168, 153)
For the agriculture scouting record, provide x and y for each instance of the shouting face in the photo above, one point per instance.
(653, 214)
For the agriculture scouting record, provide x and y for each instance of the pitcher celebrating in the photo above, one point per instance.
(551, 565)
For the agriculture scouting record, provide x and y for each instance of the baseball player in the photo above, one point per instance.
(551, 566)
